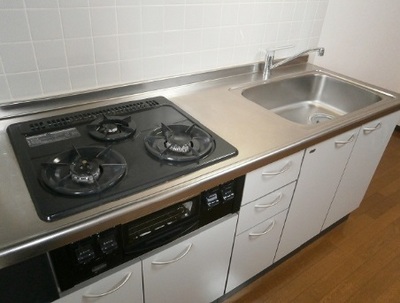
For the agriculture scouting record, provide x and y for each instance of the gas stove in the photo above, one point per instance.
(78, 161)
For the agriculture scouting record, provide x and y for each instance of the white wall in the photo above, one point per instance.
(362, 40)
(50, 47)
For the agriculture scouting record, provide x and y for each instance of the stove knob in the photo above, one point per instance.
(211, 198)
(108, 243)
(228, 192)
(84, 253)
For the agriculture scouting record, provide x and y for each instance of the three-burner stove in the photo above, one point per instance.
(78, 161)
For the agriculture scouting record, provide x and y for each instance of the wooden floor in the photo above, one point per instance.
(357, 261)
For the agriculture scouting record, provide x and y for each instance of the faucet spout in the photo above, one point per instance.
(270, 56)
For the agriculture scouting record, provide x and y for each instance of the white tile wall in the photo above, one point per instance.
(50, 47)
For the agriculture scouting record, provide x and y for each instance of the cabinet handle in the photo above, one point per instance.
(269, 228)
(273, 203)
(123, 282)
(368, 130)
(174, 260)
(340, 143)
(274, 173)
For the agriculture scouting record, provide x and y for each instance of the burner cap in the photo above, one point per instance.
(84, 170)
(179, 143)
(112, 128)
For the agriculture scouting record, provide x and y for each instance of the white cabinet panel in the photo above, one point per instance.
(124, 286)
(322, 168)
(367, 152)
(270, 177)
(265, 207)
(193, 270)
(254, 250)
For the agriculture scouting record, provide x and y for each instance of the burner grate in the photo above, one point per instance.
(84, 171)
(179, 143)
(112, 128)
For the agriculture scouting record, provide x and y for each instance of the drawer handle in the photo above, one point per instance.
(283, 170)
(273, 203)
(174, 260)
(269, 228)
(368, 130)
(123, 282)
(340, 143)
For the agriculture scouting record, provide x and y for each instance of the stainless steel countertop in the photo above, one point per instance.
(260, 136)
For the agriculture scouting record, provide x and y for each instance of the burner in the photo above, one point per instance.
(179, 143)
(84, 171)
(112, 128)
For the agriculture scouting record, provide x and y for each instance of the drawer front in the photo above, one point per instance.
(268, 178)
(192, 270)
(265, 207)
(254, 250)
(124, 286)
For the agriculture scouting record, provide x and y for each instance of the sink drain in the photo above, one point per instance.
(319, 118)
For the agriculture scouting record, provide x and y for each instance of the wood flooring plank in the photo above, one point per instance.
(344, 290)
(391, 294)
(378, 284)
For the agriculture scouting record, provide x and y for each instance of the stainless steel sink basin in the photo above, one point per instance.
(311, 98)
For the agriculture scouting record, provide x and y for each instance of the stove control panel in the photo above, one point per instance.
(221, 200)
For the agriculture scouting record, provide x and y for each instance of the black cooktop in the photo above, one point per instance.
(81, 160)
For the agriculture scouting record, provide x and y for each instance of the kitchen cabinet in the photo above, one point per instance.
(367, 152)
(125, 285)
(193, 269)
(320, 174)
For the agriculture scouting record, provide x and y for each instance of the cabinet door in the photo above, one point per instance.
(266, 179)
(367, 152)
(193, 270)
(124, 286)
(254, 250)
(322, 168)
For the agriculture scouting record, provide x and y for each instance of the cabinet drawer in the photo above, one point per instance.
(266, 179)
(123, 286)
(254, 250)
(265, 207)
(193, 269)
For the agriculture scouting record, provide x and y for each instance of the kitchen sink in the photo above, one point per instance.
(311, 98)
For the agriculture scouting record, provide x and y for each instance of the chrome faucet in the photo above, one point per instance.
(270, 56)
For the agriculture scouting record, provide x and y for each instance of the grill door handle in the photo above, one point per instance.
(118, 286)
(176, 259)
